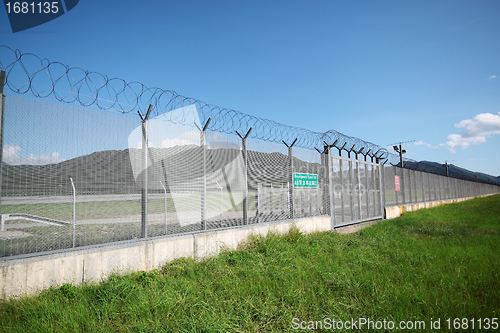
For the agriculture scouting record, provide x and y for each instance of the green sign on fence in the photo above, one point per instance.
(305, 180)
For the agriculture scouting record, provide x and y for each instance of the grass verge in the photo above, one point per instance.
(433, 264)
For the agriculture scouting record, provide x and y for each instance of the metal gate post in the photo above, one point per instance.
(325, 163)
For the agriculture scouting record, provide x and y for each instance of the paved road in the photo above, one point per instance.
(84, 198)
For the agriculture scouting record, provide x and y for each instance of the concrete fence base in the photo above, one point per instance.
(31, 274)
(396, 211)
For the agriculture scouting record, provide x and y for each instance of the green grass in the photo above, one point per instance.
(45, 238)
(435, 263)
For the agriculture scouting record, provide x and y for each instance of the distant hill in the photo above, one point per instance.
(453, 171)
(111, 172)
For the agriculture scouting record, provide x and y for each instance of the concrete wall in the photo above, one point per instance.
(396, 211)
(31, 274)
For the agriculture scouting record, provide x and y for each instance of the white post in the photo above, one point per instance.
(220, 188)
(288, 193)
(259, 208)
(74, 212)
(165, 196)
(271, 203)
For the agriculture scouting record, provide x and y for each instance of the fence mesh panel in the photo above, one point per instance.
(309, 201)
(75, 177)
(48, 146)
(225, 182)
(269, 181)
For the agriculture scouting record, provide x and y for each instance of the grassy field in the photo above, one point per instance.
(113, 209)
(430, 265)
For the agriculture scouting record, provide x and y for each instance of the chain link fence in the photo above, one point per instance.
(72, 176)
(75, 177)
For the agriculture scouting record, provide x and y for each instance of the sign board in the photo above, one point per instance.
(396, 183)
(305, 180)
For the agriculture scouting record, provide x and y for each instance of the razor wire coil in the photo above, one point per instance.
(28, 73)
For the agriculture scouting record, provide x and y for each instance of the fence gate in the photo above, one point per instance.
(355, 191)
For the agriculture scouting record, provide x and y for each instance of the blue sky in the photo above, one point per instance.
(382, 71)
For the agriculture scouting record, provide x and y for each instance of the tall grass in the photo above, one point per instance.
(427, 265)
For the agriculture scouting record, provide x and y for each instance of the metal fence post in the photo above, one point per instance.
(204, 185)
(403, 185)
(381, 172)
(331, 187)
(448, 183)
(342, 184)
(396, 194)
(165, 200)
(422, 185)
(245, 163)
(415, 187)
(432, 187)
(2, 112)
(144, 191)
(351, 188)
(410, 199)
(290, 176)
(440, 187)
(74, 211)
(360, 194)
(259, 209)
(325, 163)
(374, 197)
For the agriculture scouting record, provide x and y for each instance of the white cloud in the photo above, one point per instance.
(422, 143)
(12, 155)
(492, 77)
(474, 131)
(167, 143)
